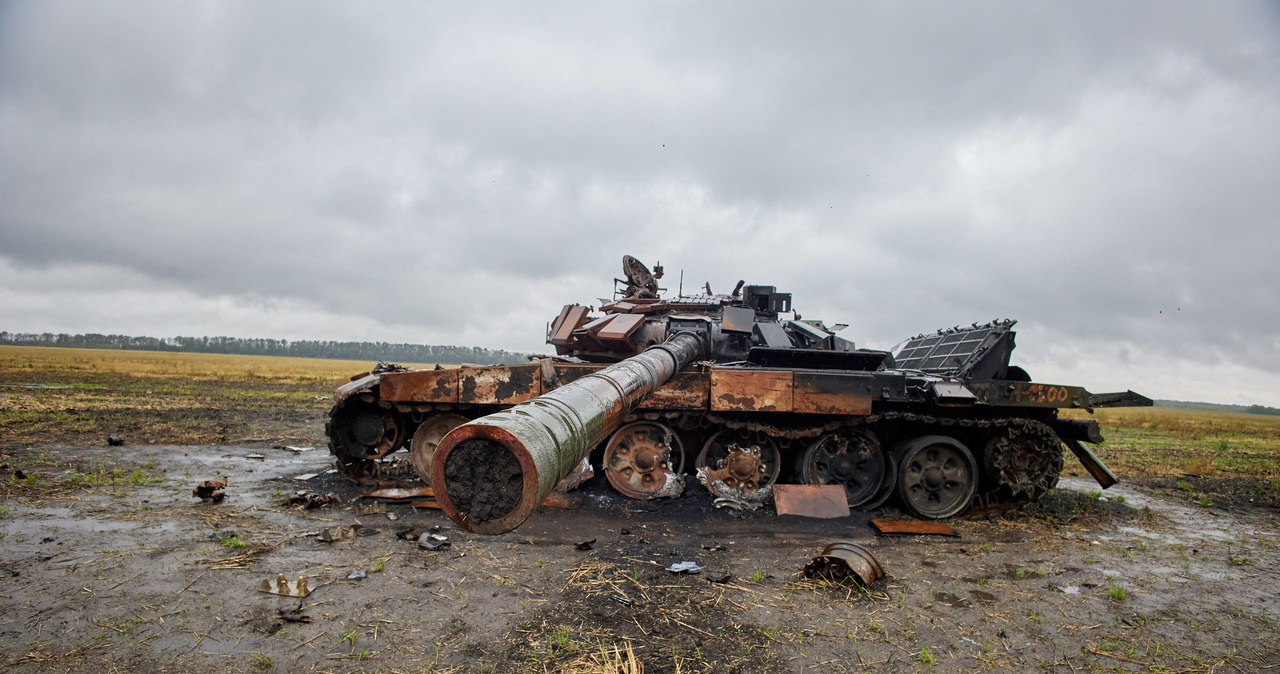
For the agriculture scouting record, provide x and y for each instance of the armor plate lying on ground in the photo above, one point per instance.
(737, 388)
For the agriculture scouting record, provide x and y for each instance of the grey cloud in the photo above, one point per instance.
(434, 173)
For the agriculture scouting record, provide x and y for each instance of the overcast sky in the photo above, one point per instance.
(1106, 173)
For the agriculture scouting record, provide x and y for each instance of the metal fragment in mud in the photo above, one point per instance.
(685, 567)
(370, 508)
(333, 534)
(310, 500)
(430, 541)
(886, 526)
(811, 500)
(843, 560)
(281, 586)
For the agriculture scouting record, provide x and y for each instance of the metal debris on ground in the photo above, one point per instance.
(811, 500)
(398, 493)
(430, 541)
(886, 526)
(211, 491)
(115, 440)
(409, 534)
(305, 476)
(685, 567)
(714, 547)
(585, 545)
(280, 586)
(291, 448)
(842, 560)
(720, 577)
(370, 508)
(310, 500)
(357, 574)
(734, 503)
(259, 457)
(575, 478)
(332, 534)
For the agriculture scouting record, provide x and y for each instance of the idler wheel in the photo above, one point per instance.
(360, 431)
(850, 459)
(1025, 458)
(427, 437)
(716, 453)
(937, 477)
(643, 458)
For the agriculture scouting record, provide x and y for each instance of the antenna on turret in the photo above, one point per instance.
(680, 293)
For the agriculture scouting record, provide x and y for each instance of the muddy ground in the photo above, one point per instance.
(109, 562)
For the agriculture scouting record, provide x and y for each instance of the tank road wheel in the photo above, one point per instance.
(850, 459)
(422, 448)
(1026, 458)
(642, 458)
(937, 476)
(360, 431)
(718, 448)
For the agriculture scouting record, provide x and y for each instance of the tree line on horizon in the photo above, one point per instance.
(257, 346)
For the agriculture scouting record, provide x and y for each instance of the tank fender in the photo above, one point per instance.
(355, 386)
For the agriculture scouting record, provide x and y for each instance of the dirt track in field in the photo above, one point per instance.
(125, 570)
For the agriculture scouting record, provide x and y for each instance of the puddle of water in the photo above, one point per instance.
(1191, 526)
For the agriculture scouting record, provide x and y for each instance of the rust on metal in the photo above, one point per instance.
(687, 390)
(356, 385)
(618, 330)
(735, 390)
(1092, 463)
(843, 560)
(643, 460)
(824, 393)
(571, 317)
(811, 500)
(923, 527)
(498, 386)
(421, 386)
(494, 471)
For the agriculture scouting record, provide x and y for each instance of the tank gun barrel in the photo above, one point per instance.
(492, 472)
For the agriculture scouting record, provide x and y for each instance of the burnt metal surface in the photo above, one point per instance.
(735, 390)
(843, 560)
(643, 459)
(805, 500)
(920, 527)
(536, 444)
(818, 409)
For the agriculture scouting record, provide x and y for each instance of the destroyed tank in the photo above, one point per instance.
(734, 389)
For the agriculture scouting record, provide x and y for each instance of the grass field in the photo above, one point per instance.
(52, 394)
(83, 395)
(1166, 441)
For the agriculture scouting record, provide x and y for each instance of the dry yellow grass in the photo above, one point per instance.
(50, 394)
(1165, 441)
(16, 359)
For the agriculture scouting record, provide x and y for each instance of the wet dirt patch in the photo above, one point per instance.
(113, 573)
